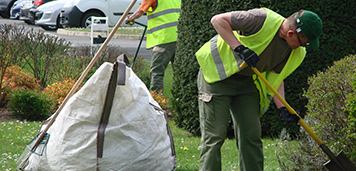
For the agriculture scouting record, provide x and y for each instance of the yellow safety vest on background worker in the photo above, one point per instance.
(162, 23)
(218, 61)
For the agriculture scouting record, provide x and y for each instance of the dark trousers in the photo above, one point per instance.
(237, 97)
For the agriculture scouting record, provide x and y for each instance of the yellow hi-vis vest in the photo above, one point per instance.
(218, 61)
(162, 23)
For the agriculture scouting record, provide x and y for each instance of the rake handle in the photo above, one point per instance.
(284, 102)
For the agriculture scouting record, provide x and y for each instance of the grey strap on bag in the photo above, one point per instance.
(117, 77)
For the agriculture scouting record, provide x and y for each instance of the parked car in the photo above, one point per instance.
(24, 12)
(48, 15)
(78, 13)
(27, 11)
(15, 9)
(5, 6)
(38, 3)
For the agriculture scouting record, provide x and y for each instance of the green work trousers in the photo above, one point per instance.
(161, 56)
(238, 97)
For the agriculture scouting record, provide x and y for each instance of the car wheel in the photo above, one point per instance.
(58, 22)
(5, 15)
(53, 28)
(49, 28)
(86, 20)
(28, 22)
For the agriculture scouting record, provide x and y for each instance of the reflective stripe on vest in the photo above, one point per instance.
(217, 59)
(162, 23)
(174, 10)
(150, 31)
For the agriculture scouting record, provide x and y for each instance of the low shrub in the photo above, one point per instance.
(43, 54)
(351, 122)
(144, 77)
(141, 67)
(331, 110)
(11, 53)
(15, 78)
(160, 99)
(58, 91)
(29, 105)
(109, 54)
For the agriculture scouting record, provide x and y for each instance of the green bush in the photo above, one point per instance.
(330, 114)
(15, 78)
(194, 29)
(43, 54)
(161, 100)
(351, 121)
(141, 67)
(58, 91)
(30, 105)
(10, 53)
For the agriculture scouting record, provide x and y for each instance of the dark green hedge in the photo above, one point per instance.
(194, 29)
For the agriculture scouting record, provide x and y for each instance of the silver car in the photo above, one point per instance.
(48, 15)
(25, 9)
(15, 9)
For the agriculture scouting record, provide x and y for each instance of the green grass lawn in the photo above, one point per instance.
(15, 135)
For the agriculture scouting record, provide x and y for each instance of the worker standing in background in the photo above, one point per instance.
(162, 24)
(263, 39)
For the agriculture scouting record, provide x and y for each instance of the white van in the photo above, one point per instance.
(78, 13)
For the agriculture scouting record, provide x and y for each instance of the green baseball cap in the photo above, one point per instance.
(311, 26)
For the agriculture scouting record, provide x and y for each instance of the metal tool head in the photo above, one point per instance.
(341, 163)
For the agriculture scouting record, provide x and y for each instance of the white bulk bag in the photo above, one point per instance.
(137, 136)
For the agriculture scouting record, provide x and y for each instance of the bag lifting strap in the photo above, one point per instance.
(119, 68)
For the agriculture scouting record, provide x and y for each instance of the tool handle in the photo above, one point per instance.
(143, 25)
(243, 65)
(139, 45)
(284, 102)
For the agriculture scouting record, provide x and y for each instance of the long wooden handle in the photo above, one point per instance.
(284, 102)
